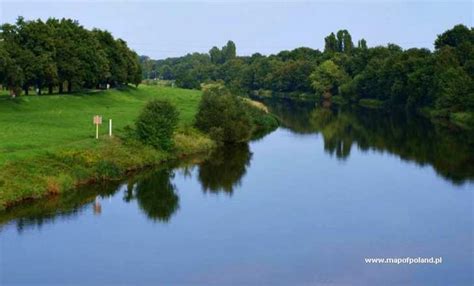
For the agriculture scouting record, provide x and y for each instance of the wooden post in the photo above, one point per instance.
(97, 120)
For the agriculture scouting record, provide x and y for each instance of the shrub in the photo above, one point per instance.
(106, 169)
(156, 124)
(223, 115)
(264, 122)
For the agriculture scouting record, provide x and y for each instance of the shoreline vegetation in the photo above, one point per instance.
(438, 83)
(47, 144)
(73, 157)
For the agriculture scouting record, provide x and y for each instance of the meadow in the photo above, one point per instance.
(48, 144)
(34, 125)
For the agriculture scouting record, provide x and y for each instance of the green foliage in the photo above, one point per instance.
(106, 169)
(414, 78)
(327, 78)
(455, 37)
(56, 151)
(263, 121)
(223, 115)
(330, 43)
(59, 53)
(455, 90)
(227, 53)
(191, 141)
(156, 124)
(288, 71)
(362, 44)
(33, 125)
(342, 43)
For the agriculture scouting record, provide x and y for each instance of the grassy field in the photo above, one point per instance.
(31, 125)
(48, 144)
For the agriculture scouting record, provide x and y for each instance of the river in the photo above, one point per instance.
(304, 205)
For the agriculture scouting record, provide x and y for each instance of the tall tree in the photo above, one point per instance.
(327, 78)
(331, 44)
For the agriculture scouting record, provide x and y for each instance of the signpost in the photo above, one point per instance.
(97, 122)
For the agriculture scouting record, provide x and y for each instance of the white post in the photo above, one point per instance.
(97, 131)
(110, 127)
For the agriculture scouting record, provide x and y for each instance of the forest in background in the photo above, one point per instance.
(61, 55)
(440, 83)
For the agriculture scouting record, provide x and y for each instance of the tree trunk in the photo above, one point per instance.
(26, 89)
(69, 87)
(61, 87)
(50, 89)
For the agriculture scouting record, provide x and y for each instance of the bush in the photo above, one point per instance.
(106, 169)
(156, 124)
(223, 115)
(263, 121)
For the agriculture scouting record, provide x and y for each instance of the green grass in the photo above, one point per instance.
(33, 125)
(48, 143)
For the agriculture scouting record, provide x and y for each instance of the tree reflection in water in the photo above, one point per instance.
(224, 170)
(155, 194)
(153, 190)
(447, 149)
(62, 207)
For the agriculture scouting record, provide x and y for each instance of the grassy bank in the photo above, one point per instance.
(47, 143)
(37, 124)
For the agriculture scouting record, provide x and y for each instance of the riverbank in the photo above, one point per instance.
(48, 145)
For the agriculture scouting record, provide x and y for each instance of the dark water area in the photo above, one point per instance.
(304, 205)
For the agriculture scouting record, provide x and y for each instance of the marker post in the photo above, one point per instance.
(97, 121)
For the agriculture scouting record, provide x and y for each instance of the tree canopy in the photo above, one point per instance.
(60, 53)
(415, 78)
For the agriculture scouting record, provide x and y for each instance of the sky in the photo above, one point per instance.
(162, 29)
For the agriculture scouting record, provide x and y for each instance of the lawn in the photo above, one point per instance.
(48, 144)
(32, 125)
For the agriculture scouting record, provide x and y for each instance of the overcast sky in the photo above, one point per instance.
(162, 29)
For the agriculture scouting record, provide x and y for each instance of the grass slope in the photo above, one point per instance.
(47, 143)
(32, 125)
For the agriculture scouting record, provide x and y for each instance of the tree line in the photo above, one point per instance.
(60, 54)
(439, 80)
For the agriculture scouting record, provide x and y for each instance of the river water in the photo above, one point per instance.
(305, 205)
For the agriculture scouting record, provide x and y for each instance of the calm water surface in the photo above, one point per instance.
(302, 206)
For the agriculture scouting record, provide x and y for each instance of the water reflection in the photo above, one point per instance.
(62, 207)
(155, 194)
(154, 191)
(448, 150)
(223, 171)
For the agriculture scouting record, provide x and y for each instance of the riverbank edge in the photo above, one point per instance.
(111, 159)
(462, 120)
